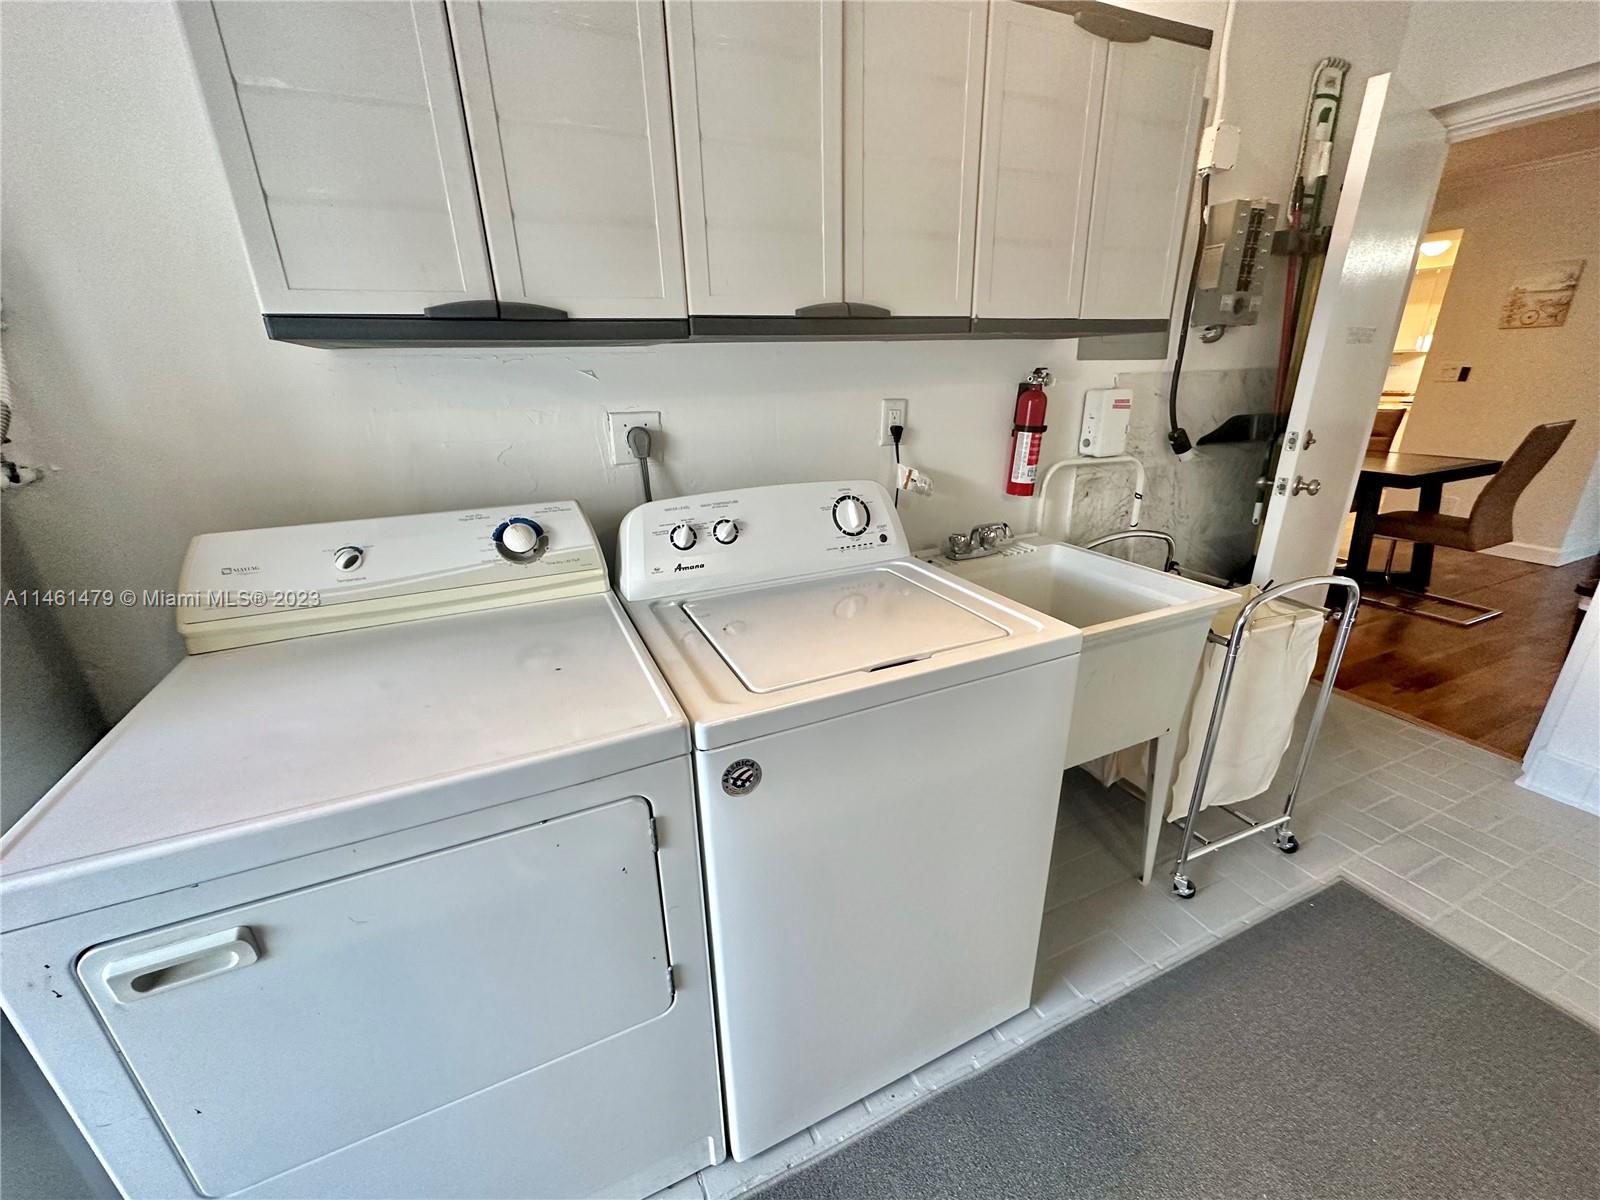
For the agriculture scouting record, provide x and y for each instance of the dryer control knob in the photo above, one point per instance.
(683, 537)
(851, 515)
(520, 540)
(726, 531)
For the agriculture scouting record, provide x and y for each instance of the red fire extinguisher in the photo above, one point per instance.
(1027, 432)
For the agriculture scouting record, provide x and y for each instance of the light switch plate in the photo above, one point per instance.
(617, 426)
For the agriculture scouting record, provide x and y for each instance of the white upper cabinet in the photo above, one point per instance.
(1149, 125)
(1088, 154)
(340, 129)
(1040, 128)
(568, 109)
(913, 105)
(757, 102)
(828, 154)
(647, 160)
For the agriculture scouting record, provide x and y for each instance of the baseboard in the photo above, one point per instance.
(1545, 556)
(1581, 550)
(1562, 779)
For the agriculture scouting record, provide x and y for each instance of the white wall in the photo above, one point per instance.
(143, 375)
(49, 718)
(1457, 50)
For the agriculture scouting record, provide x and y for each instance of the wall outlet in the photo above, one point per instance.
(617, 426)
(892, 412)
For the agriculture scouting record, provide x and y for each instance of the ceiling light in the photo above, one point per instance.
(1434, 249)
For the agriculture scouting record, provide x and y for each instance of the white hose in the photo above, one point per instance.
(1222, 64)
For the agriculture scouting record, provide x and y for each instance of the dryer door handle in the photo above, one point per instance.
(165, 967)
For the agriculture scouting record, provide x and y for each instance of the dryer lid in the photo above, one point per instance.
(780, 637)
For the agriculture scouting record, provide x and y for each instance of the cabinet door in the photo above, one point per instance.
(1040, 129)
(1145, 164)
(757, 103)
(341, 132)
(567, 107)
(913, 104)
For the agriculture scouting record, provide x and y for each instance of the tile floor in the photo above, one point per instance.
(1431, 825)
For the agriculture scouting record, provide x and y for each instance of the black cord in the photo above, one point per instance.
(639, 445)
(1177, 436)
(895, 434)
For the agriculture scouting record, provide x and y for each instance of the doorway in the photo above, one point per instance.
(1504, 345)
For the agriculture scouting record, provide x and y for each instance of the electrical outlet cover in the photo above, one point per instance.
(891, 412)
(617, 426)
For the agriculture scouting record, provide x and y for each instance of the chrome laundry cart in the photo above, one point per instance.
(1182, 886)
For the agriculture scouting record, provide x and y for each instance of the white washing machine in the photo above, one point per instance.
(412, 907)
(878, 751)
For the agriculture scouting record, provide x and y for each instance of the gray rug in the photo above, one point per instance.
(1336, 1050)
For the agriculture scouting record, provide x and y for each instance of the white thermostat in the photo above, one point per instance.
(1105, 422)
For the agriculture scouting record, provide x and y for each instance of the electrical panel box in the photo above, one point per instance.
(1227, 289)
(1105, 422)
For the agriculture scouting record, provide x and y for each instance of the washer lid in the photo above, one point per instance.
(791, 634)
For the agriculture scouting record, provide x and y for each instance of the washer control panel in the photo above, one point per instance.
(723, 539)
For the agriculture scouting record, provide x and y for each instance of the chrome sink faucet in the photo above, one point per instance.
(983, 540)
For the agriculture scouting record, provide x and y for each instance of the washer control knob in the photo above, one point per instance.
(726, 531)
(348, 558)
(520, 540)
(683, 537)
(851, 515)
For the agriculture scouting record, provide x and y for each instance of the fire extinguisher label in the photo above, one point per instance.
(1025, 461)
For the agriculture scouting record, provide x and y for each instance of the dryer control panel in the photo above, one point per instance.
(260, 585)
(753, 535)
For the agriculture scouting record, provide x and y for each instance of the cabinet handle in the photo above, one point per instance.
(462, 310)
(193, 959)
(516, 310)
(1115, 25)
(835, 308)
(510, 310)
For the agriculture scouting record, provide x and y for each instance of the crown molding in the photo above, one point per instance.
(1450, 186)
(1567, 91)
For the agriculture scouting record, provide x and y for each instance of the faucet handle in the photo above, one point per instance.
(958, 544)
(989, 536)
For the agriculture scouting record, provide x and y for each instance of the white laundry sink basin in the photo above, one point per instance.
(1143, 631)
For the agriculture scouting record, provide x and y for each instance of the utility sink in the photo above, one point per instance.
(1143, 633)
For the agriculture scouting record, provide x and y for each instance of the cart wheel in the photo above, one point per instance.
(1182, 887)
(1288, 844)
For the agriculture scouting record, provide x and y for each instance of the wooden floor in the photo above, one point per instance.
(1488, 683)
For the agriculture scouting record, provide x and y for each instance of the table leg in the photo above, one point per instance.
(1369, 494)
(1430, 497)
(1156, 797)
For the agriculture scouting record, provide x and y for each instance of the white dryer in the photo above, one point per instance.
(878, 751)
(410, 908)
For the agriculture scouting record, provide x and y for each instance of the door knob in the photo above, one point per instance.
(1309, 486)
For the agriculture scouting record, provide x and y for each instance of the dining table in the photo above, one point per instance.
(1424, 473)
